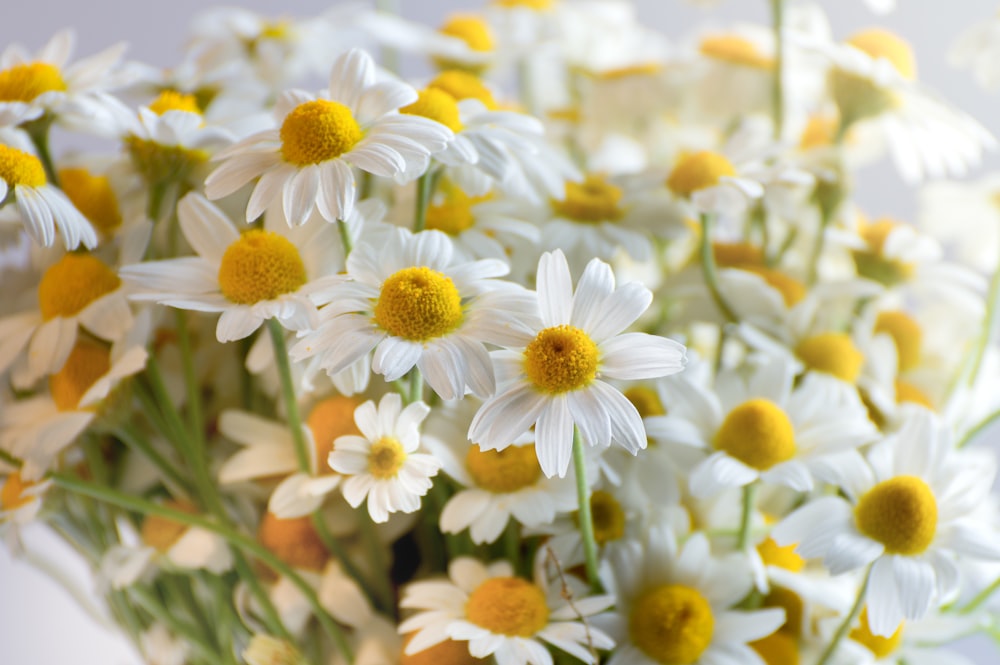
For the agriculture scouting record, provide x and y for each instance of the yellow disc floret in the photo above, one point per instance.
(453, 214)
(907, 392)
(72, 283)
(418, 304)
(438, 105)
(831, 353)
(171, 100)
(906, 333)
(593, 200)
(882, 647)
(901, 513)
(698, 171)
(735, 50)
(608, 517)
(92, 195)
(503, 471)
(672, 624)
(757, 433)
(646, 401)
(536, 5)
(778, 648)
(463, 85)
(20, 168)
(161, 533)
(87, 362)
(449, 652)
(261, 265)
(471, 29)
(318, 131)
(25, 82)
(331, 418)
(560, 359)
(880, 43)
(13, 496)
(386, 458)
(785, 557)
(508, 606)
(294, 541)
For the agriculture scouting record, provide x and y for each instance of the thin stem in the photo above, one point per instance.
(195, 420)
(981, 598)
(10, 459)
(288, 394)
(838, 637)
(345, 238)
(817, 252)
(416, 386)
(130, 436)
(383, 585)
(778, 85)
(709, 271)
(38, 131)
(978, 428)
(425, 191)
(271, 617)
(749, 496)
(337, 550)
(585, 518)
(155, 607)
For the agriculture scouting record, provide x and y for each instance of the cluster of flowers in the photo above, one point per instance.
(573, 348)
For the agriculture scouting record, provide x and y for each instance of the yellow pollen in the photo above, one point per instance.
(735, 50)
(698, 171)
(503, 471)
(593, 200)
(92, 195)
(737, 254)
(785, 557)
(471, 29)
(791, 603)
(87, 362)
(463, 85)
(901, 513)
(331, 418)
(508, 606)
(880, 43)
(537, 5)
(438, 105)
(386, 458)
(161, 533)
(294, 541)
(608, 517)
(318, 131)
(72, 283)
(907, 335)
(418, 304)
(672, 624)
(449, 652)
(832, 353)
(646, 401)
(171, 100)
(20, 168)
(778, 648)
(13, 496)
(260, 265)
(560, 359)
(23, 83)
(907, 392)
(882, 647)
(757, 433)
(453, 214)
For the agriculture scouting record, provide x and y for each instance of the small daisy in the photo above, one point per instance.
(557, 375)
(502, 615)
(249, 277)
(308, 162)
(21, 500)
(711, 184)
(382, 464)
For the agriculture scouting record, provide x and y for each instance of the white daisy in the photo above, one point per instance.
(249, 277)
(556, 377)
(711, 183)
(308, 162)
(20, 500)
(501, 615)
(382, 464)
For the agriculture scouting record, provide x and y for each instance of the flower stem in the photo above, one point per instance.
(817, 252)
(375, 547)
(586, 519)
(38, 131)
(288, 394)
(425, 191)
(416, 386)
(981, 597)
(345, 238)
(989, 327)
(749, 496)
(709, 271)
(778, 86)
(838, 637)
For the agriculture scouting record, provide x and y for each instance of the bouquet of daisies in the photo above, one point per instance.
(531, 338)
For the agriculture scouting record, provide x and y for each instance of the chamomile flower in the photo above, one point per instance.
(908, 513)
(249, 277)
(382, 464)
(21, 500)
(308, 162)
(708, 180)
(556, 377)
(501, 615)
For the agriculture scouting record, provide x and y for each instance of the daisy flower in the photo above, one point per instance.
(708, 180)
(20, 500)
(382, 464)
(675, 605)
(308, 162)
(415, 306)
(557, 374)
(501, 615)
(249, 277)
(907, 513)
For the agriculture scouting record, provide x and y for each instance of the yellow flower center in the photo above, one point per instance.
(698, 171)
(907, 335)
(386, 458)
(318, 131)
(672, 624)
(418, 304)
(294, 541)
(87, 362)
(872, 263)
(593, 200)
(901, 513)
(161, 533)
(757, 433)
(646, 401)
(260, 265)
(72, 283)
(737, 254)
(331, 418)
(791, 603)
(832, 353)
(735, 50)
(92, 195)
(463, 85)
(907, 392)
(792, 290)
(438, 105)
(171, 100)
(449, 652)
(537, 5)
(560, 359)
(503, 471)
(637, 70)
(819, 131)
(12, 495)
(453, 214)
(508, 606)
(20, 168)
(778, 648)
(23, 83)
(159, 162)
(608, 517)
(471, 29)
(785, 557)
(880, 43)
(882, 647)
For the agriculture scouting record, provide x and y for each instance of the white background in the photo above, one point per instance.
(40, 624)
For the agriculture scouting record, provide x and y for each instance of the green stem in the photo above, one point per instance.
(709, 271)
(271, 617)
(978, 428)
(416, 386)
(196, 423)
(288, 394)
(38, 131)
(981, 598)
(585, 518)
(778, 85)
(842, 631)
(337, 550)
(130, 436)
(376, 549)
(817, 252)
(425, 191)
(345, 238)
(10, 459)
(156, 608)
(749, 496)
